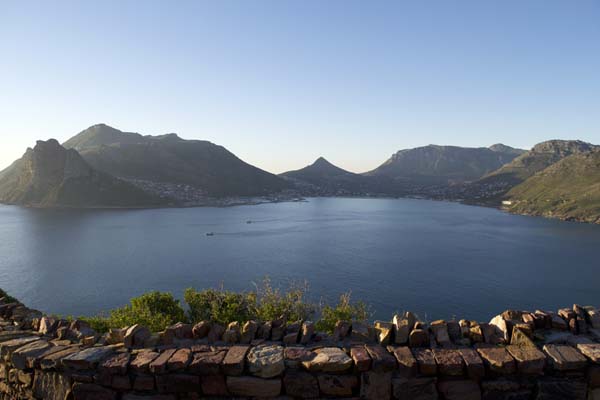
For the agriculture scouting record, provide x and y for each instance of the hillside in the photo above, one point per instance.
(51, 176)
(538, 158)
(568, 189)
(443, 165)
(155, 161)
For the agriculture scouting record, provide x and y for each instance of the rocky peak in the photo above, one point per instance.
(563, 148)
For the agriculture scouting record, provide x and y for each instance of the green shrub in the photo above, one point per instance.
(345, 310)
(219, 305)
(154, 310)
(271, 303)
(99, 323)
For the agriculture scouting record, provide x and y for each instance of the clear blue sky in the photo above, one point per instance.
(280, 83)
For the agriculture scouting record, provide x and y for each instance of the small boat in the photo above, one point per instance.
(248, 222)
(210, 234)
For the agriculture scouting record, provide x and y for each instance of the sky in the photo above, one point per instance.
(280, 83)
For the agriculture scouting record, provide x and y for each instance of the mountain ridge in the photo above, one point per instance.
(207, 168)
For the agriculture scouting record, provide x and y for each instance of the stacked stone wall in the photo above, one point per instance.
(517, 355)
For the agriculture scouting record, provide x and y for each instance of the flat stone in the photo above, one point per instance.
(473, 362)
(121, 382)
(136, 335)
(459, 390)
(559, 323)
(383, 361)
(384, 332)
(360, 332)
(264, 330)
(159, 364)
(33, 361)
(249, 330)
(498, 360)
(565, 358)
(216, 333)
(307, 333)
(87, 358)
(594, 317)
(51, 386)
(591, 351)
(214, 385)
(561, 389)
(20, 356)
(502, 328)
(440, 332)
(201, 329)
(414, 388)
(142, 360)
(407, 364)
(207, 362)
(90, 391)
(177, 383)
(376, 385)
(337, 385)
(179, 360)
(519, 338)
(328, 359)
(450, 362)
(294, 356)
(593, 376)
(143, 382)
(277, 329)
(401, 329)
(54, 360)
(530, 361)
(266, 361)
(253, 387)
(7, 347)
(361, 358)
(341, 330)
(116, 364)
(418, 338)
(454, 331)
(425, 361)
(233, 363)
(299, 384)
(290, 338)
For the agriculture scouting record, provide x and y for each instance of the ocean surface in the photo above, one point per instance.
(437, 259)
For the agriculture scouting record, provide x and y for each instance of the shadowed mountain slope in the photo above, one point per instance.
(442, 165)
(169, 159)
(51, 176)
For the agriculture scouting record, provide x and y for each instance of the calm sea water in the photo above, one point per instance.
(437, 259)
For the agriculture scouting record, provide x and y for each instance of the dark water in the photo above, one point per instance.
(437, 259)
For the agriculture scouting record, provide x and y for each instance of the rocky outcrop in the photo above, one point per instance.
(51, 176)
(520, 355)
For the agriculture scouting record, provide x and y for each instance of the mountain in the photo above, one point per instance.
(568, 189)
(324, 178)
(51, 176)
(538, 158)
(443, 165)
(159, 162)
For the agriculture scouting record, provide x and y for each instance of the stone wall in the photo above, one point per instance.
(518, 355)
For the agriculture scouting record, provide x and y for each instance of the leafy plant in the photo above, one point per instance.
(272, 302)
(219, 305)
(155, 310)
(345, 310)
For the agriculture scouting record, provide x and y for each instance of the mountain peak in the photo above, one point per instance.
(322, 162)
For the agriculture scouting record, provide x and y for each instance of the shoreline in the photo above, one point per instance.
(235, 202)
